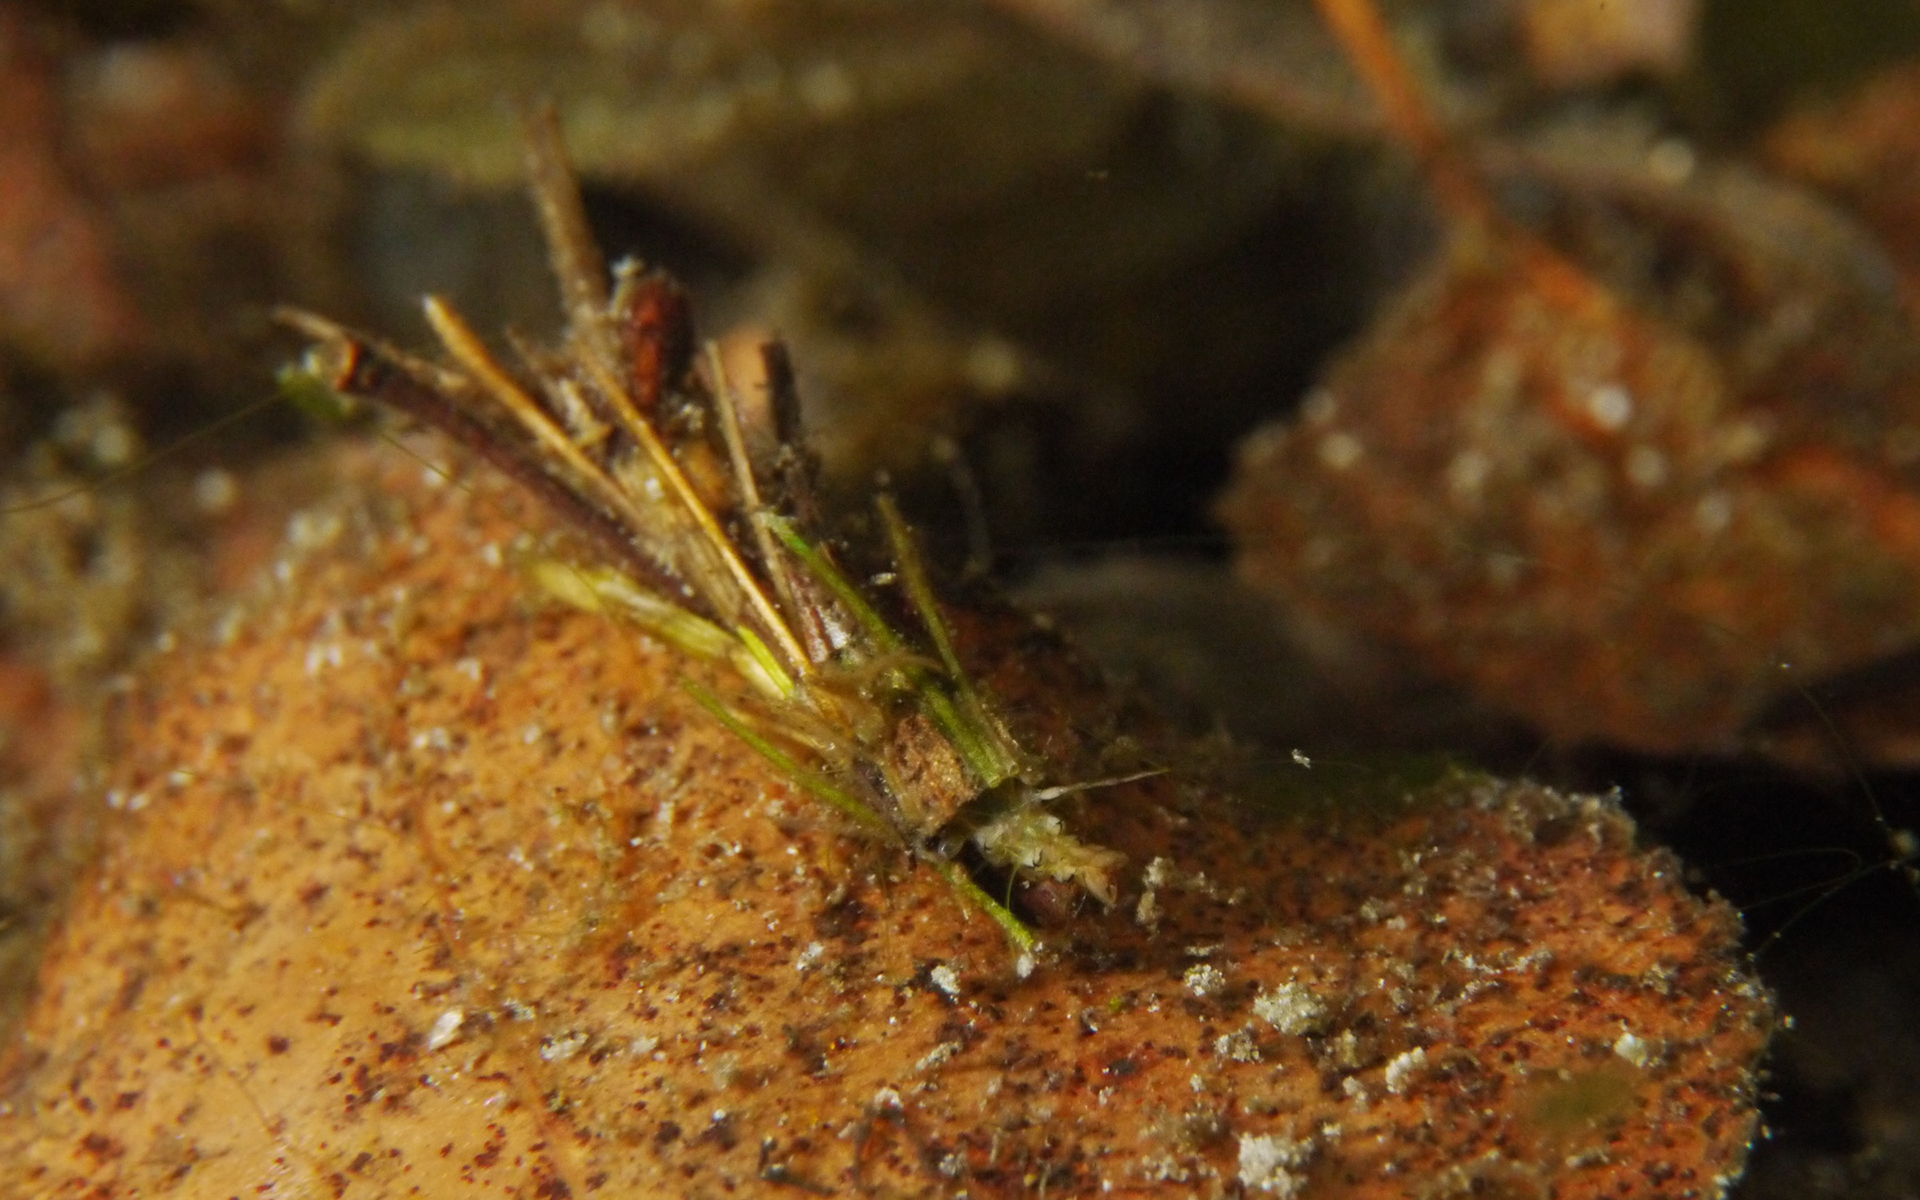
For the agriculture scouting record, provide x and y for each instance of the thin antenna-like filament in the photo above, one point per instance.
(1369, 45)
(642, 431)
(771, 556)
(812, 781)
(577, 261)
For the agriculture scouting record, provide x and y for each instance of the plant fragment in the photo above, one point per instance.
(694, 486)
(1604, 491)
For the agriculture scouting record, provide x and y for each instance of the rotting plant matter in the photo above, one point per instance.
(1576, 493)
(696, 489)
(411, 891)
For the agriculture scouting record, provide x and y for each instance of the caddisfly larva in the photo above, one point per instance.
(696, 491)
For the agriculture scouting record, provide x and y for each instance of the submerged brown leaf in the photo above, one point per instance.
(1616, 471)
(412, 890)
(1582, 511)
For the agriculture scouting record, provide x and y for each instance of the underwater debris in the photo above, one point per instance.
(343, 834)
(390, 849)
(700, 499)
(1611, 473)
(414, 886)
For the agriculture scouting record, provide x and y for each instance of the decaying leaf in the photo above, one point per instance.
(701, 502)
(1616, 473)
(1566, 504)
(413, 887)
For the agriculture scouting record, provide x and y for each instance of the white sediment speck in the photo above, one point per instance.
(1265, 1162)
(1205, 979)
(810, 957)
(446, 1027)
(215, 491)
(561, 1049)
(1338, 451)
(1713, 513)
(1400, 1070)
(1635, 1050)
(1237, 1046)
(1468, 473)
(114, 445)
(1671, 161)
(936, 1056)
(1289, 1008)
(946, 979)
(1610, 406)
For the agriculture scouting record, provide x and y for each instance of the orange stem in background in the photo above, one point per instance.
(1364, 35)
(1369, 46)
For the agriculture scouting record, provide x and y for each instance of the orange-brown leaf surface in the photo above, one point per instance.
(1614, 466)
(1564, 503)
(416, 888)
